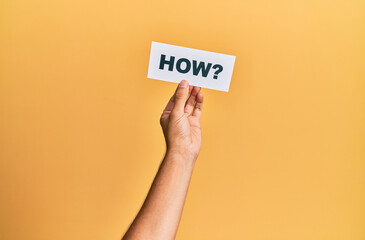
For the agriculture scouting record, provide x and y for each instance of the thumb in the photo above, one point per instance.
(182, 93)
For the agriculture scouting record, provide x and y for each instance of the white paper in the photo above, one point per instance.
(173, 63)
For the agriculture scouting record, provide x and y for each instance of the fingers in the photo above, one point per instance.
(189, 106)
(171, 102)
(199, 105)
(166, 112)
(181, 95)
(169, 105)
(186, 99)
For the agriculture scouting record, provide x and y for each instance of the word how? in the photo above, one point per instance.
(185, 69)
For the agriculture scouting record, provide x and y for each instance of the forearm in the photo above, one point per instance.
(160, 214)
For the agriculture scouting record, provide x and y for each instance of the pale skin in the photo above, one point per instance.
(161, 211)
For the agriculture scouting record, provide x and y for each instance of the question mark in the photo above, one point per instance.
(220, 69)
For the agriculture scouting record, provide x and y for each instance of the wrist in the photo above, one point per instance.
(180, 157)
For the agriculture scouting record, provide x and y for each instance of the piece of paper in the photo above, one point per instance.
(200, 68)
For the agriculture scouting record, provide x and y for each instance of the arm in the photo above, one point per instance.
(160, 214)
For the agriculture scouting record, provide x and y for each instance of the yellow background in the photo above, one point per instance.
(283, 153)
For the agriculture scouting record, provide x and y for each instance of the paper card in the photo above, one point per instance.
(201, 68)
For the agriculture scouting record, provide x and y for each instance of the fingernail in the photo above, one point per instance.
(183, 83)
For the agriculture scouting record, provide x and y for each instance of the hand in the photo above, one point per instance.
(180, 121)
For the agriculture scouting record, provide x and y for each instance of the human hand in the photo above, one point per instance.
(180, 121)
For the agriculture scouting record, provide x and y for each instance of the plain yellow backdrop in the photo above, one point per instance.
(283, 153)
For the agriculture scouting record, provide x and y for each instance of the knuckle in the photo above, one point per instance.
(179, 95)
(174, 114)
(162, 120)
